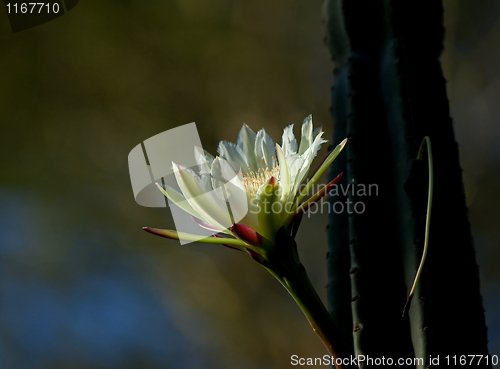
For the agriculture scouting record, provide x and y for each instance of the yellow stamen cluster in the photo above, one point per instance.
(254, 180)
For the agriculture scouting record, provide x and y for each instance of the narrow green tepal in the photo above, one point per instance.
(388, 94)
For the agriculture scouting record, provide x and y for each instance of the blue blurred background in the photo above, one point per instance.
(81, 285)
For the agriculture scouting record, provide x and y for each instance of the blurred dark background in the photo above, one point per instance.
(81, 285)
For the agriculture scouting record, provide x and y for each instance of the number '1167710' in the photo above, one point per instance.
(32, 8)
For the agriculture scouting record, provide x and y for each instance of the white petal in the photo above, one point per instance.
(203, 179)
(264, 149)
(308, 157)
(234, 188)
(223, 174)
(317, 131)
(206, 203)
(285, 177)
(246, 145)
(307, 135)
(294, 163)
(203, 159)
(288, 141)
(231, 152)
(178, 199)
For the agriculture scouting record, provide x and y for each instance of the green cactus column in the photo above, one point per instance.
(389, 92)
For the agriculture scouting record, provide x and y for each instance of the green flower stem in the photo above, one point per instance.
(292, 275)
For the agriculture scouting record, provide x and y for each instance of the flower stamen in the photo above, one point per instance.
(255, 179)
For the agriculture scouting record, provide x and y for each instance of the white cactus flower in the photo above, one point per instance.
(260, 180)
(262, 185)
